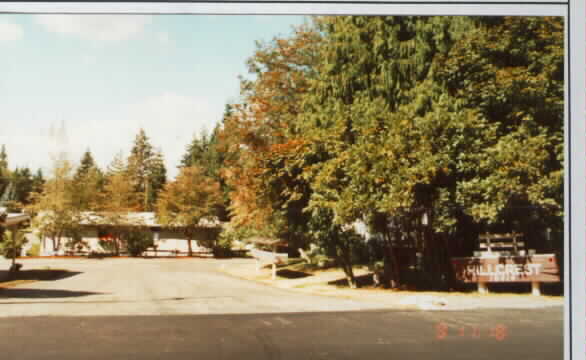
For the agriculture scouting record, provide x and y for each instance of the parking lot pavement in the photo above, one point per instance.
(186, 309)
(122, 286)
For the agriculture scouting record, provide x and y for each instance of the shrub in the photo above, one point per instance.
(318, 258)
(137, 241)
(11, 247)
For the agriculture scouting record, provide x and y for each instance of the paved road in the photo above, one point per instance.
(185, 309)
(155, 287)
(347, 335)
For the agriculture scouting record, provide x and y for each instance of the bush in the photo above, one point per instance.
(138, 241)
(12, 247)
(225, 240)
(221, 252)
(318, 258)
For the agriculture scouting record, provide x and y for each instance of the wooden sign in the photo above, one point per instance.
(535, 268)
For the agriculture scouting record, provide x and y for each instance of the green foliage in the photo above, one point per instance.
(191, 199)
(137, 241)
(88, 183)
(12, 243)
(226, 239)
(204, 152)
(317, 257)
(455, 118)
(146, 170)
(54, 210)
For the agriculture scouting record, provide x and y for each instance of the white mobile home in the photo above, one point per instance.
(97, 233)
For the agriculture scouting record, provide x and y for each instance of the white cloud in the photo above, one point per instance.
(10, 32)
(169, 119)
(95, 27)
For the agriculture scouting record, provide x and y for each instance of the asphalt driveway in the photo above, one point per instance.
(128, 309)
(155, 287)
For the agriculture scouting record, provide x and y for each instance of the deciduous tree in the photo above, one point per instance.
(189, 201)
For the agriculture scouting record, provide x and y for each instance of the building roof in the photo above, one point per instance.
(265, 241)
(14, 219)
(138, 219)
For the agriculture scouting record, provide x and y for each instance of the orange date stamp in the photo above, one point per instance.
(499, 332)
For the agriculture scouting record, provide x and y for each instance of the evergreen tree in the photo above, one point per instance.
(146, 170)
(88, 182)
(117, 199)
(3, 158)
(23, 185)
(38, 181)
(158, 175)
(4, 172)
(117, 165)
(87, 162)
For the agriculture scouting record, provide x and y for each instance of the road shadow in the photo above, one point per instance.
(42, 293)
(36, 275)
(292, 274)
(362, 281)
(549, 289)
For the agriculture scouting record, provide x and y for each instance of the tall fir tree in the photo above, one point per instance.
(146, 171)
(4, 172)
(87, 162)
(158, 175)
(23, 185)
(88, 182)
(38, 181)
(3, 158)
(205, 151)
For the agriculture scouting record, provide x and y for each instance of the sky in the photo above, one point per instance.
(98, 79)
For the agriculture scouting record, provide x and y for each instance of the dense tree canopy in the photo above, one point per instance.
(455, 119)
(188, 201)
(429, 130)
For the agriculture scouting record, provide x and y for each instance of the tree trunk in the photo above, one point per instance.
(346, 263)
(56, 240)
(116, 246)
(146, 195)
(391, 271)
(351, 280)
(448, 265)
(14, 249)
(189, 247)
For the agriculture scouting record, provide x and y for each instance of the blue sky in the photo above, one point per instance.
(106, 76)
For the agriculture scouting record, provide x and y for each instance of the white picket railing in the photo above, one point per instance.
(266, 258)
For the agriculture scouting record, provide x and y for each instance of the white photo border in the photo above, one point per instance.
(574, 13)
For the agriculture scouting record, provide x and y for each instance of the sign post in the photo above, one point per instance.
(266, 257)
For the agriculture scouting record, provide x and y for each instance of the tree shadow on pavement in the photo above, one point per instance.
(42, 293)
(35, 275)
(292, 274)
(361, 281)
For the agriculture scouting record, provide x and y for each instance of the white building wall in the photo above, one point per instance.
(167, 243)
(89, 236)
